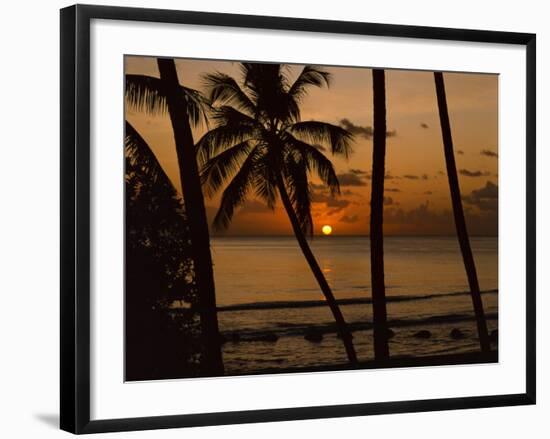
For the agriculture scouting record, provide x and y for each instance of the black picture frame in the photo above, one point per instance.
(75, 217)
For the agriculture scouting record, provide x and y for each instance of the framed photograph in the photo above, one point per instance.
(267, 219)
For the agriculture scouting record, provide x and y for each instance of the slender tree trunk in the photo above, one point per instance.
(379, 313)
(460, 222)
(196, 217)
(343, 329)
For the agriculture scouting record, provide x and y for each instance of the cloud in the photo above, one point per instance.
(368, 175)
(428, 193)
(351, 179)
(424, 125)
(459, 152)
(337, 209)
(485, 198)
(388, 176)
(423, 219)
(363, 131)
(319, 196)
(254, 206)
(338, 203)
(489, 191)
(358, 130)
(392, 189)
(335, 204)
(468, 173)
(422, 216)
(349, 219)
(416, 177)
(489, 153)
(388, 201)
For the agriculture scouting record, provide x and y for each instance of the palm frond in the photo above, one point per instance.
(265, 182)
(234, 194)
(299, 191)
(309, 76)
(197, 106)
(259, 76)
(224, 90)
(140, 154)
(290, 109)
(267, 83)
(230, 116)
(315, 161)
(221, 167)
(221, 138)
(336, 138)
(146, 93)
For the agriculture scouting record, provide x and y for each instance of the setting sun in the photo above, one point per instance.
(327, 230)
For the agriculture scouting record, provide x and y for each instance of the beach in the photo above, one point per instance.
(268, 301)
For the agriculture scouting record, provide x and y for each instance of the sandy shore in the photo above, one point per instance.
(396, 362)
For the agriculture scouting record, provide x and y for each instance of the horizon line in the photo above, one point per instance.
(347, 236)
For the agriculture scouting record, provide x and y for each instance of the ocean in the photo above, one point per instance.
(268, 298)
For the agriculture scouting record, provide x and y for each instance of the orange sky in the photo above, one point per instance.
(417, 192)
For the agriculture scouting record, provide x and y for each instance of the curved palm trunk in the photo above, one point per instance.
(343, 329)
(458, 212)
(379, 313)
(198, 224)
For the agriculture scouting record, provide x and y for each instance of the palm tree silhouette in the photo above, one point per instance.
(458, 212)
(259, 143)
(186, 106)
(379, 313)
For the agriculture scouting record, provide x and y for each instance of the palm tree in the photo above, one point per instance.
(379, 313)
(185, 106)
(458, 212)
(259, 143)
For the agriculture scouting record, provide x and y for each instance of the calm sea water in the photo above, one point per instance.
(266, 289)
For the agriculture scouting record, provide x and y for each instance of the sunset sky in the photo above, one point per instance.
(417, 191)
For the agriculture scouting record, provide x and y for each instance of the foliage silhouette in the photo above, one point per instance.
(159, 271)
(185, 107)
